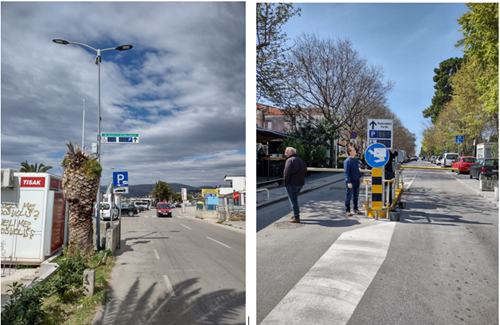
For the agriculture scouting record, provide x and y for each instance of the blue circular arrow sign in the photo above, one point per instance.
(376, 155)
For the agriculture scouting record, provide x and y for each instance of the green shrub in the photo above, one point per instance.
(25, 305)
(69, 273)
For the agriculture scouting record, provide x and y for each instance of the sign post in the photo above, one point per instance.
(381, 131)
(459, 139)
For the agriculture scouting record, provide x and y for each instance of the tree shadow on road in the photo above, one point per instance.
(431, 206)
(187, 306)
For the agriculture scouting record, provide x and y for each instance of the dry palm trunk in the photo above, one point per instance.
(80, 190)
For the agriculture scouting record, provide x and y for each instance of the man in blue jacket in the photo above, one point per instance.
(295, 170)
(353, 180)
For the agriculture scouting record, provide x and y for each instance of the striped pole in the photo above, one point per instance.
(377, 189)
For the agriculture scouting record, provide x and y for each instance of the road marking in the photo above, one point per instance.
(185, 226)
(408, 187)
(168, 285)
(146, 216)
(157, 256)
(179, 217)
(333, 287)
(218, 242)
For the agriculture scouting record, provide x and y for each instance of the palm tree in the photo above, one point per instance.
(162, 191)
(80, 184)
(27, 168)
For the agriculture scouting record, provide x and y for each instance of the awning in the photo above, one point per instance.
(265, 135)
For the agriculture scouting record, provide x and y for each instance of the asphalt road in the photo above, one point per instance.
(177, 270)
(438, 265)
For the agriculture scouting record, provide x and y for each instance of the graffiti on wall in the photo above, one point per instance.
(21, 226)
(27, 210)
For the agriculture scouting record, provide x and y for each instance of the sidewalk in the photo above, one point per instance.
(278, 194)
(237, 225)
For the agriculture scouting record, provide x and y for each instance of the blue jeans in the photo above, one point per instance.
(293, 192)
(352, 193)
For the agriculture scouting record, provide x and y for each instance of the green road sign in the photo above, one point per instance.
(119, 138)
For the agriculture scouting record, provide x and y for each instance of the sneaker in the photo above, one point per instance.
(294, 221)
(357, 212)
(348, 214)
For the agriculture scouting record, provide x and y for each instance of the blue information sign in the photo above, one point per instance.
(376, 155)
(120, 179)
(459, 139)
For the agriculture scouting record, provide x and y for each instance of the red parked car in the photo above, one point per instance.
(463, 164)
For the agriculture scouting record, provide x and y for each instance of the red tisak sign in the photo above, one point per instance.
(32, 181)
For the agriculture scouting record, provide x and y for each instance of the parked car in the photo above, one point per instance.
(106, 212)
(463, 164)
(142, 204)
(129, 209)
(163, 209)
(178, 205)
(439, 160)
(448, 159)
(433, 159)
(413, 158)
(484, 168)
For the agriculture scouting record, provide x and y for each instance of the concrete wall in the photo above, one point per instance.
(103, 228)
(112, 238)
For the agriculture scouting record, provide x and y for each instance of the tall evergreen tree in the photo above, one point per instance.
(443, 87)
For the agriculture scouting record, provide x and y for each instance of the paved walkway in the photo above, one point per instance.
(278, 193)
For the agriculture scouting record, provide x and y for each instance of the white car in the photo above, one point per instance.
(439, 160)
(106, 212)
(449, 159)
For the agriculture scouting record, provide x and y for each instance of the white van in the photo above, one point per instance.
(448, 159)
(141, 204)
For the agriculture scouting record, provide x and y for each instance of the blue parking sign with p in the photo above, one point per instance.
(120, 179)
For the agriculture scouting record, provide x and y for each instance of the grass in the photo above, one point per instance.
(76, 308)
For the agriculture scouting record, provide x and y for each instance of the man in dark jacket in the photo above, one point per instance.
(295, 170)
(353, 181)
(389, 171)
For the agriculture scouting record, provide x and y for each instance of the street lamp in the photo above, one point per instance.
(98, 63)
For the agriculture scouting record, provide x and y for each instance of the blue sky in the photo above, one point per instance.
(407, 40)
(181, 88)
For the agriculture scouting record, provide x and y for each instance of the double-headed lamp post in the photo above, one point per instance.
(98, 63)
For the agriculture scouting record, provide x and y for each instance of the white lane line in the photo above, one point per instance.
(157, 256)
(146, 216)
(409, 185)
(179, 217)
(218, 242)
(333, 287)
(168, 285)
(185, 226)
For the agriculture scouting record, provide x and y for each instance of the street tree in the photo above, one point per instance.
(80, 184)
(443, 87)
(271, 49)
(480, 43)
(162, 191)
(329, 75)
(27, 168)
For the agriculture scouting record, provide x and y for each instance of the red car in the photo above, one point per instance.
(463, 164)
